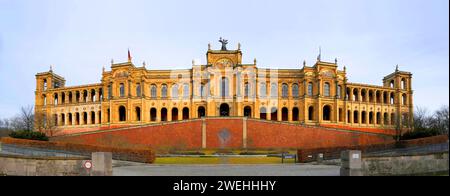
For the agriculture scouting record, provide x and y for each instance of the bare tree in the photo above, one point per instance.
(441, 120)
(27, 117)
(44, 124)
(422, 119)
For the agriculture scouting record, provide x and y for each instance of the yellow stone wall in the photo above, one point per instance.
(91, 106)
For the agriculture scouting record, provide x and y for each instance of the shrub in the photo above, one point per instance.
(422, 133)
(30, 135)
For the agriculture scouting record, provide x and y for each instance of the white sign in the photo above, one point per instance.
(87, 165)
(355, 156)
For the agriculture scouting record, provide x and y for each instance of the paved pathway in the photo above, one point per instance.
(137, 169)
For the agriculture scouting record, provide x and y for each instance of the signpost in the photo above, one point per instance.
(88, 166)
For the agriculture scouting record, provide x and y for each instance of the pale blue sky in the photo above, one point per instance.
(78, 37)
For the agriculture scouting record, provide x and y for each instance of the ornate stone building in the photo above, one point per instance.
(316, 95)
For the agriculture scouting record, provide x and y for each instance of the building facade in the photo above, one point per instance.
(314, 95)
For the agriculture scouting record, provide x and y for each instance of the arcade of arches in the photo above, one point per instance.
(317, 94)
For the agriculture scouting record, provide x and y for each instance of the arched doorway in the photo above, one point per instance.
(163, 114)
(295, 113)
(224, 110)
(263, 113)
(138, 113)
(122, 114)
(326, 113)
(248, 111)
(153, 114)
(174, 114)
(201, 112)
(311, 113)
(274, 114)
(284, 114)
(185, 113)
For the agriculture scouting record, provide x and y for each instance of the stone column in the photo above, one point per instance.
(102, 164)
(351, 163)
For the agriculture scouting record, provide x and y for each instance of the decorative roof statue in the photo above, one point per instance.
(304, 63)
(224, 43)
(103, 69)
(239, 46)
(112, 61)
(319, 58)
(335, 61)
(396, 68)
(255, 61)
(144, 64)
(51, 68)
(209, 46)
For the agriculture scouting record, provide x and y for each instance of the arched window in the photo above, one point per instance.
(339, 92)
(63, 98)
(92, 117)
(364, 95)
(404, 99)
(284, 91)
(246, 90)
(93, 95)
(363, 117)
(310, 89)
(186, 91)
(326, 89)
(70, 97)
(403, 83)
(392, 99)
(263, 90)
(138, 114)
(109, 91)
(122, 114)
(224, 87)
(274, 90)
(164, 91)
(45, 84)
(55, 98)
(153, 91)
(311, 113)
(85, 96)
(355, 94)
(326, 113)
(295, 91)
(122, 90)
(138, 90)
(175, 91)
(392, 84)
(203, 90)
